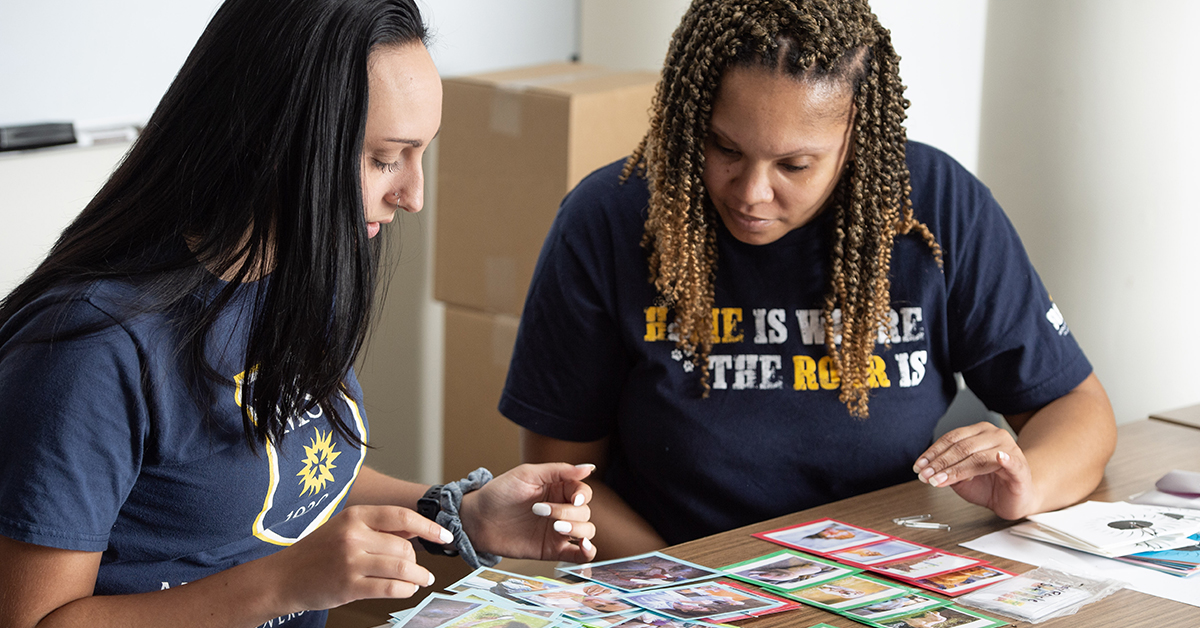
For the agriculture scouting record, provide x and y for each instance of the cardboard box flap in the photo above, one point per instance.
(560, 79)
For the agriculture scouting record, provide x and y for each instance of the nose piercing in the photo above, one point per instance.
(397, 195)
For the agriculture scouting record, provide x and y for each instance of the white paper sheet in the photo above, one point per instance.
(1148, 581)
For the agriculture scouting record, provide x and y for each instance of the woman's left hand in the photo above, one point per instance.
(534, 511)
(984, 465)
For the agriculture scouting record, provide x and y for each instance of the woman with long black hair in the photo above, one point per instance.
(183, 431)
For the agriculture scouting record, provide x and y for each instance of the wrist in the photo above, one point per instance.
(444, 505)
(468, 515)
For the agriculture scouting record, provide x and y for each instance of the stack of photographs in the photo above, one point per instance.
(655, 590)
(838, 579)
(651, 590)
(680, 590)
(1181, 561)
(914, 564)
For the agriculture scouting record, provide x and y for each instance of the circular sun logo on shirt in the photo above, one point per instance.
(318, 463)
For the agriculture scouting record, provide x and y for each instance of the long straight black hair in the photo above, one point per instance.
(250, 166)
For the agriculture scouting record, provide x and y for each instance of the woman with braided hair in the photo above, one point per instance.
(815, 281)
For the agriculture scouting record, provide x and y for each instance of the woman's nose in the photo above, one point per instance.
(752, 186)
(410, 189)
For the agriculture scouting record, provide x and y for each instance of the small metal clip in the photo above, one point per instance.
(903, 520)
(926, 525)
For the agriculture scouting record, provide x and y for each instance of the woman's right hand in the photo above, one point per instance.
(362, 552)
(620, 531)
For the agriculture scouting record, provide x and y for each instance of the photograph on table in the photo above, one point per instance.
(501, 583)
(881, 552)
(434, 611)
(646, 571)
(607, 621)
(787, 570)
(579, 601)
(823, 536)
(903, 605)
(958, 582)
(479, 595)
(944, 617)
(925, 565)
(699, 601)
(646, 619)
(847, 592)
(785, 604)
(492, 616)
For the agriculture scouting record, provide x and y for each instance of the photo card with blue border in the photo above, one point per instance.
(645, 571)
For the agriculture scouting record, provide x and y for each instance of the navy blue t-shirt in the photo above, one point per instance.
(595, 357)
(105, 448)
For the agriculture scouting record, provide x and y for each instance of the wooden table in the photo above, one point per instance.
(1189, 416)
(1145, 451)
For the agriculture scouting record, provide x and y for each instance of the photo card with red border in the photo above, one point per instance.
(925, 565)
(785, 604)
(954, 583)
(823, 536)
(886, 551)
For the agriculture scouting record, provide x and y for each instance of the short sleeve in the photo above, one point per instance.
(1007, 336)
(570, 364)
(74, 420)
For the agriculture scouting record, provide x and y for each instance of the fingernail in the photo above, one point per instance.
(578, 500)
(541, 509)
(920, 464)
(938, 479)
(926, 474)
(587, 465)
(431, 579)
(446, 537)
(586, 544)
(562, 527)
(1003, 457)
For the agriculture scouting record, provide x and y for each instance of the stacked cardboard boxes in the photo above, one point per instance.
(512, 145)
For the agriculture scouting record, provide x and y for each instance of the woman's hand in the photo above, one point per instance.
(984, 465)
(362, 552)
(533, 511)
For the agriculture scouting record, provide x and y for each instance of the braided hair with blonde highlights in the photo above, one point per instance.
(808, 40)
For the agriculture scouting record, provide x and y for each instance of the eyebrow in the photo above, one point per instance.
(801, 150)
(413, 143)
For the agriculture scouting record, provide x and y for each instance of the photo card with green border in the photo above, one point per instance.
(787, 570)
(847, 592)
(943, 617)
(900, 605)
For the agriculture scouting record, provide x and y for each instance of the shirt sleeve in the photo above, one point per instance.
(1008, 337)
(74, 420)
(570, 361)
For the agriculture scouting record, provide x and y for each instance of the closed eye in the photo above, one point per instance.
(386, 167)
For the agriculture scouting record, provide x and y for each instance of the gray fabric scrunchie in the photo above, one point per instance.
(449, 497)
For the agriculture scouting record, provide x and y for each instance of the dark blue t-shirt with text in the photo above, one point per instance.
(595, 356)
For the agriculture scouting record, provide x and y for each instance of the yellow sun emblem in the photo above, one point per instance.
(318, 462)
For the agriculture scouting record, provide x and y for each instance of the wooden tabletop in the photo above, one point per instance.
(1189, 416)
(1145, 451)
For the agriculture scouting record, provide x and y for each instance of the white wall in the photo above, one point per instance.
(940, 43)
(93, 62)
(1089, 140)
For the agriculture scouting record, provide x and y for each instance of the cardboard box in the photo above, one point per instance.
(512, 144)
(478, 348)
